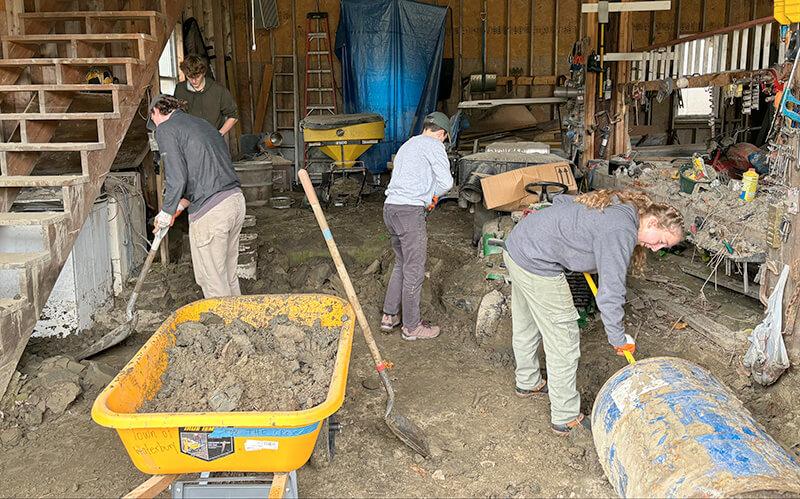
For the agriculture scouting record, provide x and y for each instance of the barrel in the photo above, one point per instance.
(665, 427)
(256, 179)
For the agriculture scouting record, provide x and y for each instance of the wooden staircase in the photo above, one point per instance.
(43, 97)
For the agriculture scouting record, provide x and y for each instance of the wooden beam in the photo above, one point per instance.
(152, 487)
(590, 98)
(278, 487)
(624, 43)
(219, 41)
(713, 32)
(526, 80)
(709, 80)
(263, 98)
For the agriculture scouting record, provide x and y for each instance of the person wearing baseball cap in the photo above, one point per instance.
(421, 173)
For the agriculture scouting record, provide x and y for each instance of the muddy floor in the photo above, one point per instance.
(458, 388)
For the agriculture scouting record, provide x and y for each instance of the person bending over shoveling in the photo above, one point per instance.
(603, 231)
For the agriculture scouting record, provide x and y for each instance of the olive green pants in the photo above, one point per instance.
(542, 312)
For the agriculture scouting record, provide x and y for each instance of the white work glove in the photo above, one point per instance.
(630, 346)
(163, 219)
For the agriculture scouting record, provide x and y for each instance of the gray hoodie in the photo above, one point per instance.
(568, 235)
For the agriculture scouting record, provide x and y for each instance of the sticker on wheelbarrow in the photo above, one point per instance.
(198, 442)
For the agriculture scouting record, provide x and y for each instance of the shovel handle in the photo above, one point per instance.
(151, 255)
(308, 187)
(628, 356)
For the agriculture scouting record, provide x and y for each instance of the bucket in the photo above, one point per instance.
(665, 427)
(247, 241)
(687, 184)
(256, 179)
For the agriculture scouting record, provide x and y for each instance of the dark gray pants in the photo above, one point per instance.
(409, 237)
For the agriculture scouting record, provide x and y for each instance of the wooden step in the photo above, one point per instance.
(70, 61)
(31, 218)
(80, 37)
(42, 180)
(22, 260)
(58, 116)
(100, 14)
(51, 146)
(66, 87)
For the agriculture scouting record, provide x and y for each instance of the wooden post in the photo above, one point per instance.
(590, 95)
(151, 488)
(624, 44)
(219, 41)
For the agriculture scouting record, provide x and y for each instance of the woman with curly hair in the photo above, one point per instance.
(603, 231)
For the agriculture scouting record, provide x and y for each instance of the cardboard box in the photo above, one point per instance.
(506, 191)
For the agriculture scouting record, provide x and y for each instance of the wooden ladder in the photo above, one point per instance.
(45, 96)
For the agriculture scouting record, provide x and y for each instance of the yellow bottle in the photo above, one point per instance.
(749, 185)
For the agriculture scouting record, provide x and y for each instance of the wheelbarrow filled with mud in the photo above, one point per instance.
(179, 407)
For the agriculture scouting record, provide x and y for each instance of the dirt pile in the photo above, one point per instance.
(237, 367)
(46, 389)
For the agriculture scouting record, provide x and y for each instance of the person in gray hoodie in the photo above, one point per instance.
(421, 173)
(604, 232)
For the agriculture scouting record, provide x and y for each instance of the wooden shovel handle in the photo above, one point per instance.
(305, 180)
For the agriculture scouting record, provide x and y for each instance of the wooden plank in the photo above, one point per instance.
(698, 36)
(589, 105)
(151, 487)
(721, 280)
(87, 61)
(51, 146)
(263, 98)
(624, 43)
(219, 41)
(83, 37)
(278, 487)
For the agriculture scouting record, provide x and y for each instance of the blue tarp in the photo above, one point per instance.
(391, 55)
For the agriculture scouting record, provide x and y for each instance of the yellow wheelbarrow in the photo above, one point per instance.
(260, 442)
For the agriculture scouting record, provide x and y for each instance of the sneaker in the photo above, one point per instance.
(422, 332)
(389, 322)
(565, 429)
(540, 389)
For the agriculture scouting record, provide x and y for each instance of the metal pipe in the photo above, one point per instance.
(666, 427)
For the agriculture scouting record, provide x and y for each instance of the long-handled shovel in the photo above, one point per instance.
(119, 333)
(408, 432)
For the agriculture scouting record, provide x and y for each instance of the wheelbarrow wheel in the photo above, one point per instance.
(325, 447)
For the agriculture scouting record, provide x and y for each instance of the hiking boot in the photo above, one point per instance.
(540, 389)
(422, 332)
(565, 429)
(389, 322)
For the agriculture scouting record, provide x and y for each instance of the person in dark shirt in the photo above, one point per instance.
(207, 99)
(199, 178)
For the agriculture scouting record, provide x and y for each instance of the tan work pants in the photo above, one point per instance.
(214, 240)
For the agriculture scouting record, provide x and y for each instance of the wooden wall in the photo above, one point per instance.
(534, 35)
(520, 34)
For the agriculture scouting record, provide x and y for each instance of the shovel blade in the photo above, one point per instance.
(117, 335)
(408, 433)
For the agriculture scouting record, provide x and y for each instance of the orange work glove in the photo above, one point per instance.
(433, 203)
(629, 346)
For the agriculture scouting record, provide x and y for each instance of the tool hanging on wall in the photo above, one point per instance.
(602, 9)
(482, 82)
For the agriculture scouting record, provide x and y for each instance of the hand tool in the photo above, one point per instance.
(629, 356)
(119, 333)
(408, 432)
